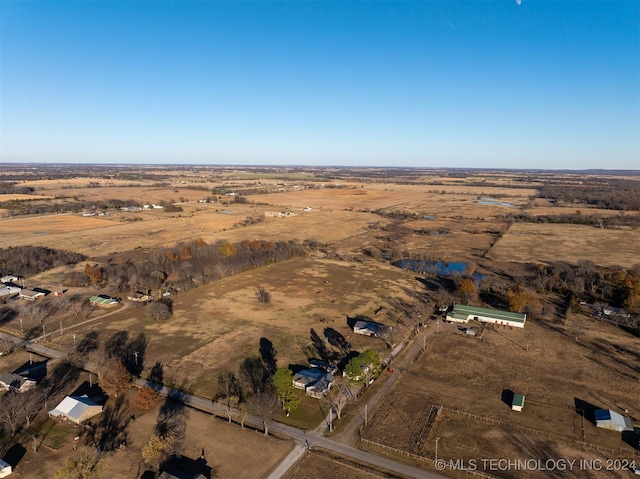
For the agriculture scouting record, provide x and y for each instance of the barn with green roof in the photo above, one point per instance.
(463, 313)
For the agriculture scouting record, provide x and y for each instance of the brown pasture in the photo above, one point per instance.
(215, 326)
(531, 243)
(544, 362)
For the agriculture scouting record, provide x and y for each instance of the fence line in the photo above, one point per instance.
(549, 435)
(421, 458)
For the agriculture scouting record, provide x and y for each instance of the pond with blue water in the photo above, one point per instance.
(440, 268)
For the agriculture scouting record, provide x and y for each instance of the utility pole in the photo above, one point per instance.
(60, 328)
(74, 339)
(44, 334)
(437, 439)
(366, 415)
(21, 328)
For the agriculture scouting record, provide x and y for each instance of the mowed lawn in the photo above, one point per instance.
(214, 327)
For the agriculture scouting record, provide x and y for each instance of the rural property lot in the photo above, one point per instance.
(229, 450)
(556, 374)
(215, 326)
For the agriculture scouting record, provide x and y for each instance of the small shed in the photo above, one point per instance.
(608, 419)
(5, 468)
(518, 402)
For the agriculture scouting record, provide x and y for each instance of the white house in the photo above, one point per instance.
(76, 409)
(8, 278)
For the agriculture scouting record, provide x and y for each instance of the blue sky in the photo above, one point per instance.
(486, 84)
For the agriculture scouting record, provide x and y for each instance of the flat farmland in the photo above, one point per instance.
(531, 243)
(120, 232)
(555, 372)
(214, 327)
(428, 199)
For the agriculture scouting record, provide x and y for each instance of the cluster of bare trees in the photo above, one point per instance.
(253, 389)
(33, 315)
(186, 265)
(29, 260)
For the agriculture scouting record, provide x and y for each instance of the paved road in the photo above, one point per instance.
(312, 439)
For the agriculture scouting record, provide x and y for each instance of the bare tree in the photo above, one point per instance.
(12, 411)
(84, 467)
(255, 374)
(264, 296)
(79, 306)
(159, 311)
(339, 395)
(264, 405)
(36, 311)
(229, 392)
(32, 401)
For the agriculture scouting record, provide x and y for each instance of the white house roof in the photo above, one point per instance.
(74, 407)
(620, 422)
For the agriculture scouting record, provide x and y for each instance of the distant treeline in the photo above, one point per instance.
(8, 188)
(25, 261)
(606, 193)
(577, 218)
(33, 207)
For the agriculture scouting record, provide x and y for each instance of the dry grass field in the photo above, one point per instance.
(215, 326)
(531, 243)
(545, 363)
